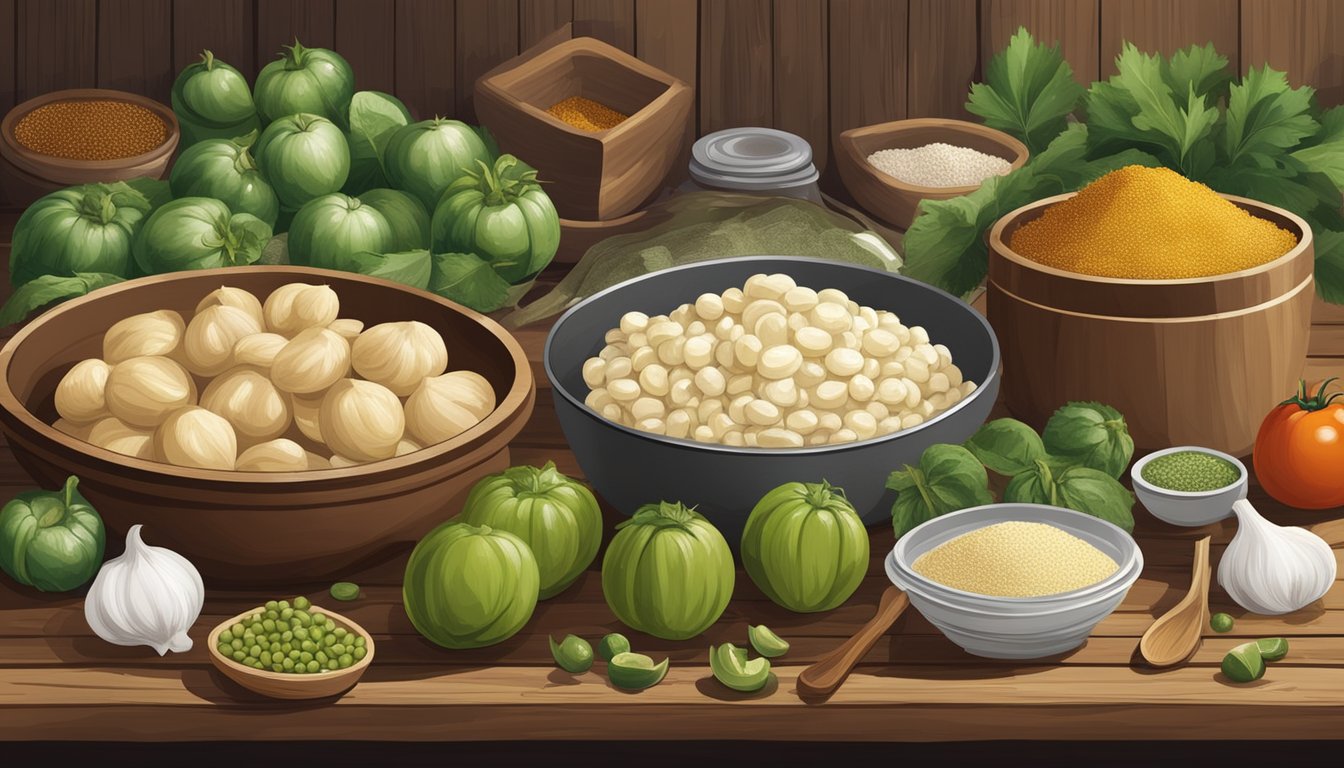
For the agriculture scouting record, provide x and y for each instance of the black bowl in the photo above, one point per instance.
(630, 468)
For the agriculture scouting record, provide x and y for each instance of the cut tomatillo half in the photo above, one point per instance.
(635, 671)
(1272, 648)
(766, 642)
(573, 654)
(612, 645)
(731, 667)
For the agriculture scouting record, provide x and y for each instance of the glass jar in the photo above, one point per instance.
(761, 161)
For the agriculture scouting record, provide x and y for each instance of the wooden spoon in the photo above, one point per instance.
(825, 676)
(1176, 634)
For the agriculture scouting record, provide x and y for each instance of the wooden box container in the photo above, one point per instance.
(592, 175)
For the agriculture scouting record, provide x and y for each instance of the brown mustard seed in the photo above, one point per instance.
(91, 129)
(586, 114)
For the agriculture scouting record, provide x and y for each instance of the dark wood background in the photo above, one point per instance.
(815, 67)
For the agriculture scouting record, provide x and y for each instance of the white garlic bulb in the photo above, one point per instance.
(311, 362)
(258, 350)
(347, 327)
(142, 391)
(362, 420)
(254, 407)
(148, 334)
(147, 596)
(211, 335)
(80, 393)
(225, 296)
(1272, 570)
(195, 437)
(273, 456)
(399, 355)
(296, 306)
(445, 406)
(118, 436)
(307, 415)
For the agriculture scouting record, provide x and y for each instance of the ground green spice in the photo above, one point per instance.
(1191, 472)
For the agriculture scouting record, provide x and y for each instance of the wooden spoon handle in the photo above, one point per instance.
(825, 676)
(1200, 576)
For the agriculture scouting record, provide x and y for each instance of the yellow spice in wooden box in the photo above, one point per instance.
(1016, 559)
(1150, 224)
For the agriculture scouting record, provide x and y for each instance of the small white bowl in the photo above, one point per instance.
(1186, 508)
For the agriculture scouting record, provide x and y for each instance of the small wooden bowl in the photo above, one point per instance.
(893, 200)
(592, 175)
(263, 527)
(282, 685)
(33, 174)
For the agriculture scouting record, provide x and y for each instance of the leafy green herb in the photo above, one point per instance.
(46, 289)
(1091, 435)
(1081, 489)
(468, 279)
(1028, 91)
(1330, 266)
(1006, 446)
(374, 117)
(948, 478)
(411, 268)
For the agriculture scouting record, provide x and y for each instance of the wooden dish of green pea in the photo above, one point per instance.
(315, 665)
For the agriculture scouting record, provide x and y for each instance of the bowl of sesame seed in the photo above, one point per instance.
(83, 135)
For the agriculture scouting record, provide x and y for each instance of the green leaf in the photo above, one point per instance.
(1265, 116)
(46, 289)
(1092, 435)
(1330, 265)
(411, 268)
(468, 280)
(1200, 70)
(1098, 494)
(156, 191)
(1142, 93)
(374, 117)
(1006, 446)
(1327, 155)
(1035, 485)
(948, 478)
(1028, 91)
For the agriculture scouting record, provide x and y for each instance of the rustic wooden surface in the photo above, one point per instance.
(58, 682)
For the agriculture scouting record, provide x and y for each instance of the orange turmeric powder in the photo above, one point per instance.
(1150, 224)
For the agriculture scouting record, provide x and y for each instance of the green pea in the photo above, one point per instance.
(359, 652)
(359, 641)
(255, 650)
(275, 647)
(301, 603)
(301, 633)
(237, 644)
(321, 657)
(333, 664)
(238, 655)
(295, 655)
(345, 591)
(287, 613)
(286, 636)
(346, 660)
(338, 648)
(236, 629)
(268, 625)
(313, 665)
(340, 632)
(328, 640)
(282, 605)
(250, 660)
(258, 665)
(287, 664)
(304, 618)
(226, 636)
(308, 646)
(1221, 622)
(319, 618)
(305, 657)
(315, 633)
(271, 604)
(257, 628)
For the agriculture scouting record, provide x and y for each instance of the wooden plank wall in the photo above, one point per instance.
(815, 67)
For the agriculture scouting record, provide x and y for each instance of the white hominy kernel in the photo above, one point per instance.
(655, 426)
(653, 380)
(733, 438)
(678, 423)
(944, 355)
(916, 369)
(800, 299)
(624, 390)
(704, 434)
(829, 317)
(878, 410)
(750, 438)
(679, 373)
(797, 321)
(779, 362)
(647, 408)
(696, 328)
(939, 165)
(747, 350)
(737, 408)
(937, 401)
(903, 354)
(918, 335)
(681, 393)
(802, 397)
(637, 340)
(954, 376)
(698, 352)
(762, 413)
(642, 358)
(618, 368)
(859, 326)
(889, 425)
(911, 420)
(853, 307)
(721, 423)
(773, 330)
(927, 353)
(891, 391)
(802, 422)
(812, 341)
(844, 362)
(892, 370)
(902, 333)
(723, 328)
(761, 287)
(614, 336)
(594, 372)
(861, 388)
(830, 421)
(782, 392)
(869, 316)
(723, 355)
(834, 295)
(938, 382)
(819, 438)
(862, 423)
(596, 399)
(734, 300)
(779, 438)
(708, 408)
(880, 343)
(739, 384)
(872, 369)
(709, 306)
(710, 381)
(810, 374)
(759, 309)
(925, 409)
(830, 394)
(673, 351)
(682, 314)
(844, 435)
(737, 332)
(613, 412)
(610, 351)
(662, 332)
(967, 387)
(912, 393)
(951, 397)
(634, 322)
(848, 340)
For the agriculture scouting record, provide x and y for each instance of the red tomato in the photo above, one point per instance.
(1299, 452)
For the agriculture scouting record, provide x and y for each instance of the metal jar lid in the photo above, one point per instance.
(753, 159)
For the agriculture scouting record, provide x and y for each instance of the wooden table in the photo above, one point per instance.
(59, 682)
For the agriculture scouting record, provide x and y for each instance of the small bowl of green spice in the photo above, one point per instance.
(291, 649)
(1188, 485)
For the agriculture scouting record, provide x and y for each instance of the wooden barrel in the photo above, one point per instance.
(1189, 362)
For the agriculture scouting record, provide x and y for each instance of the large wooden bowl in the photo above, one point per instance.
(893, 200)
(592, 175)
(284, 685)
(1188, 362)
(29, 175)
(263, 527)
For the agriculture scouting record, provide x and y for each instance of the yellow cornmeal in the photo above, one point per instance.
(1016, 559)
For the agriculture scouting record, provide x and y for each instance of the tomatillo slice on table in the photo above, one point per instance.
(731, 667)
(1272, 648)
(635, 671)
(573, 654)
(1221, 622)
(345, 591)
(613, 645)
(1244, 663)
(766, 642)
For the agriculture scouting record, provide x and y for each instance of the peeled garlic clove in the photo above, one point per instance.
(347, 327)
(296, 306)
(362, 420)
(195, 437)
(399, 355)
(142, 391)
(80, 393)
(1272, 570)
(445, 406)
(254, 407)
(115, 435)
(311, 362)
(224, 296)
(279, 455)
(307, 415)
(147, 596)
(148, 334)
(406, 445)
(211, 336)
(258, 350)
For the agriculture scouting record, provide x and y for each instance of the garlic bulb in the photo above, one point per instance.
(80, 393)
(349, 328)
(1271, 569)
(258, 350)
(116, 435)
(224, 296)
(150, 333)
(195, 437)
(445, 406)
(296, 306)
(311, 362)
(399, 355)
(211, 336)
(361, 420)
(254, 407)
(148, 596)
(273, 456)
(142, 391)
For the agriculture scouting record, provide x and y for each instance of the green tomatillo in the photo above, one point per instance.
(51, 540)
